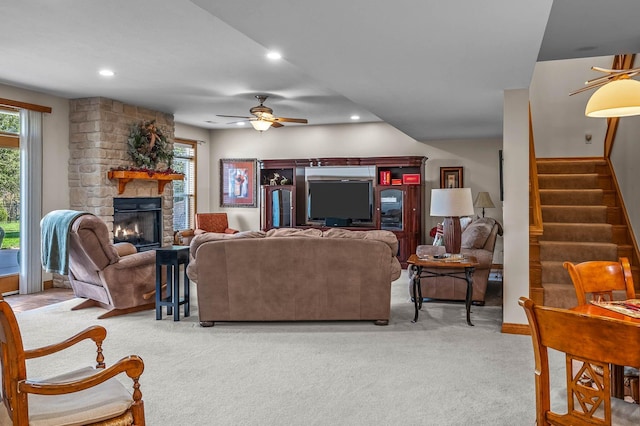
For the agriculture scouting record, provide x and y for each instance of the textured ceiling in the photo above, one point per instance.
(432, 69)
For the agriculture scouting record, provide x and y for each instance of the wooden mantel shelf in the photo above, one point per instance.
(126, 176)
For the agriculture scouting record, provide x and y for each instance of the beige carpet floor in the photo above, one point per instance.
(436, 372)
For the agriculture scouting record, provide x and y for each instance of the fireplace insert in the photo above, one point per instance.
(138, 221)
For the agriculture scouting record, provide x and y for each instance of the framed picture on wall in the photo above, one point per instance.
(451, 177)
(238, 182)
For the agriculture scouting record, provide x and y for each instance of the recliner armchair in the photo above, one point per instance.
(213, 222)
(113, 276)
(478, 239)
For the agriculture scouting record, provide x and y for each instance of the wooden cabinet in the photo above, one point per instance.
(398, 195)
(279, 204)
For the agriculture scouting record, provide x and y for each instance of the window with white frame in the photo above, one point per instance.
(184, 191)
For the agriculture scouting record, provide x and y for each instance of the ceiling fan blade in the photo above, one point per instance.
(233, 116)
(276, 124)
(291, 120)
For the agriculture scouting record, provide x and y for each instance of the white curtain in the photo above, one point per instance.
(30, 201)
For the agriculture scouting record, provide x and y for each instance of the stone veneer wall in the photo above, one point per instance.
(98, 133)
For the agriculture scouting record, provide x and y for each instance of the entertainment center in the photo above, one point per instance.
(353, 193)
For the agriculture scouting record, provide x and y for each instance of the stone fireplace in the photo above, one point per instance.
(98, 133)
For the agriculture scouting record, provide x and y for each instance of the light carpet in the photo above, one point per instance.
(436, 372)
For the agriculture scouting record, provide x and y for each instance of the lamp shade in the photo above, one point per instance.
(483, 200)
(260, 125)
(451, 202)
(618, 98)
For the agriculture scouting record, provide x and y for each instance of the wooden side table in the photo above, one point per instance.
(172, 257)
(441, 268)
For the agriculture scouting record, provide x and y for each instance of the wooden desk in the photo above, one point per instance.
(424, 268)
(617, 371)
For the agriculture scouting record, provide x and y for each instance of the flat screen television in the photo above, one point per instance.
(341, 199)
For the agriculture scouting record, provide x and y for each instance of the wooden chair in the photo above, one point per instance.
(594, 343)
(85, 396)
(600, 279)
(213, 222)
(597, 280)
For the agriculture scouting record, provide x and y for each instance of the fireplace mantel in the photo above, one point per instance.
(126, 176)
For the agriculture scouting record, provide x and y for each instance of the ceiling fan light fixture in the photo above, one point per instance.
(618, 98)
(260, 125)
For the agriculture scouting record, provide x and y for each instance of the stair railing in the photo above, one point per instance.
(536, 292)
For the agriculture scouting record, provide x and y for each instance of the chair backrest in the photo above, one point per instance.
(90, 248)
(212, 222)
(591, 342)
(600, 279)
(12, 361)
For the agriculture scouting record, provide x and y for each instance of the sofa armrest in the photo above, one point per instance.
(485, 257)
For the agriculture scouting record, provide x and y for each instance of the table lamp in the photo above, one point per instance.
(452, 203)
(483, 200)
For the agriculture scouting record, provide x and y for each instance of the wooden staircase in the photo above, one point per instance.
(583, 219)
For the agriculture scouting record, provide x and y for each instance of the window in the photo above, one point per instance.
(9, 179)
(184, 192)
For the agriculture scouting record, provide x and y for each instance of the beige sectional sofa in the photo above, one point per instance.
(478, 239)
(294, 274)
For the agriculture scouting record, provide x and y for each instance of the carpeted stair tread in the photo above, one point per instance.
(569, 166)
(577, 251)
(574, 214)
(568, 181)
(581, 232)
(554, 272)
(582, 221)
(559, 295)
(583, 197)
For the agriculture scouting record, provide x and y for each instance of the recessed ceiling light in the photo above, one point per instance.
(355, 117)
(240, 123)
(107, 73)
(273, 55)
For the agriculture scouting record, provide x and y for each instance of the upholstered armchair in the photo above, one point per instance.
(113, 276)
(478, 239)
(213, 222)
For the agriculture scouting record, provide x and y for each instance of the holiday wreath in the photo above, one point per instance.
(148, 146)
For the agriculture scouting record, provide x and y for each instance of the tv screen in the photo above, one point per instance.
(343, 199)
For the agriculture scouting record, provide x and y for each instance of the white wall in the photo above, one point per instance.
(516, 204)
(624, 157)
(559, 123)
(479, 158)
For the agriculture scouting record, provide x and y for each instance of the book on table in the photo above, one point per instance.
(629, 307)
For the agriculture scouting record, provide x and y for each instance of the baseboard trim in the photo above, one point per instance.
(9, 284)
(509, 328)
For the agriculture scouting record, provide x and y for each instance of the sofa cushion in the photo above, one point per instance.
(294, 232)
(200, 239)
(386, 237)
(476, 234)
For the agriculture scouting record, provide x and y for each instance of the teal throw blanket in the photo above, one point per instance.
(54, 228)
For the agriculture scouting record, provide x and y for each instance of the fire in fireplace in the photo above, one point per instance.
(138, 221)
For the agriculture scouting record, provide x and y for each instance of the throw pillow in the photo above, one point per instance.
(476, 234)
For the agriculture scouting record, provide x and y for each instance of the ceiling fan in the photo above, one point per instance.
(263, 117)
